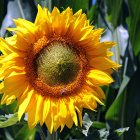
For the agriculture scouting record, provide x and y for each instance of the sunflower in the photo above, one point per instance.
(54, 68)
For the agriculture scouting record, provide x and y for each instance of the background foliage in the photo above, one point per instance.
(121, 113)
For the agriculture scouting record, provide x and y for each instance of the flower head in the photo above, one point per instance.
(54, 67)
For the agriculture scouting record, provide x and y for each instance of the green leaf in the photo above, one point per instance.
(8, 109)
(25, 133)
(114, 11)
(2, 118)
(98, 125)
(120, 131)
(11, 121)
(74, 4)
(138, 129)
(93, 14)
(133, 22)
(124, 83)
(1, 11)
(8, 135)
(116, 111)
(40, 130)
(132, 105)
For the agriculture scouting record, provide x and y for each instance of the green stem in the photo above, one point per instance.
(52, 136)
(42, 135)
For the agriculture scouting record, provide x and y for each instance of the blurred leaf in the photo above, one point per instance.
(133, 24)
(102, 12)
(93, 14)
(138, 129)
(116, 112)
(112, 135)
(2, 118)
(25, 133)
(132, 104)
(115, 115)
(8, 109)
(11, 121)
(75, 133)
(95, 135)
(120, 131)
(8, 135)
(86, 124)
(104, 133)
(124, 83)
(1, 11)
(40, 130)
(122, 39)
(45, 3)
(74, 4)
(18, 9)
(98, 125)
(114, 11)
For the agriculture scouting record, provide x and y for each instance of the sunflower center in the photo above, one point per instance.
(56, 67)
(57, 64)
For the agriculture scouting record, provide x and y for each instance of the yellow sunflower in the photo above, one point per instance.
(54, 68)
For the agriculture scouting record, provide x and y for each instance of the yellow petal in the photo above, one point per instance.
(8, 58)
(86, 100)
(7, 68)
(4, 47)
(73, 111)
(13, 92)
(1, 87)
(29, 37)
(6, 99)
(100, 48)
(96, 91)
(97, 77)
(43, 22)
(34, 109)
(69, 121)
(55, 109)
(25, 102)
(56, 18)
(100, 92)
(21, 42)
(97, 34)
(39, 14)
(39, 102)
(79, 111)
(49, 119)
(103, 63)
(31, 109)
(109, 54)
(45, 109)
(63, 113)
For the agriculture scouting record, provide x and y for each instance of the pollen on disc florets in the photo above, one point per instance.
(57, 64)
